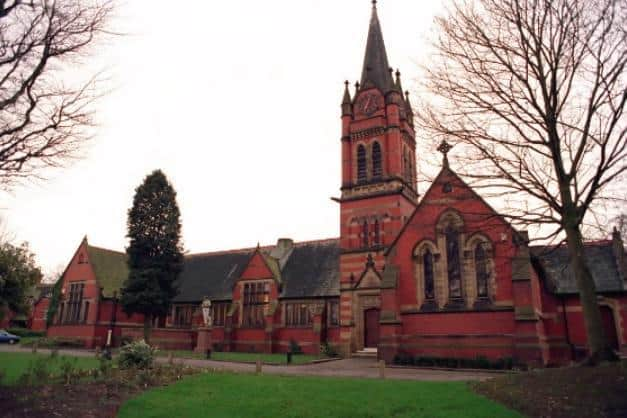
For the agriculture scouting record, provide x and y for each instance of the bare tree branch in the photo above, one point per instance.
(44, 120)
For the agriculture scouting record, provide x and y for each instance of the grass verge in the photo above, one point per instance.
(14, 365)
(233, 395)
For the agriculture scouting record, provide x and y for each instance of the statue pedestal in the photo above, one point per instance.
(203, 342)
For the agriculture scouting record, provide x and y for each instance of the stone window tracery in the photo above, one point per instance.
(453, 263)
(429, 275)
(256, 296)
(482, 272)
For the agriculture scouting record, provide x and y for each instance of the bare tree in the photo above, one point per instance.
(534, 93)
(44, 120)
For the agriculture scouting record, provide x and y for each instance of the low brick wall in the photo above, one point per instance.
(164, 338)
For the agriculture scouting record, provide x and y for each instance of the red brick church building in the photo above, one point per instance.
(439, 275)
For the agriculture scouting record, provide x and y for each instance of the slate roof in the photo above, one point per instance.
(312, 270)
(554, 265)
(211, 275)
(110, 268)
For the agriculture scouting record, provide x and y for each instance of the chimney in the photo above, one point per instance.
(282, 250)
(619, 254)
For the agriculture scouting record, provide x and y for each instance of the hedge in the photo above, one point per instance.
(479, 362)
(25, 332)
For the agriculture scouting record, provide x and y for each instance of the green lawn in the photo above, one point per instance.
(233, 395)
(13, 365)
(243, 357)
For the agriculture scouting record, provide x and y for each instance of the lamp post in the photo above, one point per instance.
(203, 340)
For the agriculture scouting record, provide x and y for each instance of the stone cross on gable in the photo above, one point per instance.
(444, 148)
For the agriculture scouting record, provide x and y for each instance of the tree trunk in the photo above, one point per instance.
(599, 349)
(147, 328)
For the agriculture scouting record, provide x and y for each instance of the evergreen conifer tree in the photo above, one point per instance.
(155, 256)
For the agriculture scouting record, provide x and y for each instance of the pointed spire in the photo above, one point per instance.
(398, 85)
(347, 108)
(410, 111)
(376, 67)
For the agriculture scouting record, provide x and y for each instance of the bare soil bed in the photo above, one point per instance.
(588, 392)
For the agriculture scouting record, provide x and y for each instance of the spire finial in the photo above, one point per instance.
(374, 4)
(347, 108)
(444, 148)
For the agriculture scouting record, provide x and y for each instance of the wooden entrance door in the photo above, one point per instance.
(609, 326)
(371, 327)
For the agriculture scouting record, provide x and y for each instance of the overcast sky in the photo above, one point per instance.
(238, 102)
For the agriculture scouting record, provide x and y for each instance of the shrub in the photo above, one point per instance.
(69, 372)
(480, 362)
(25, 332)
(218, 347)
(36, 373)
(295, 348)
(126, 339)
(328, 350)
(55, 342)
(104, 368)
(137, 354)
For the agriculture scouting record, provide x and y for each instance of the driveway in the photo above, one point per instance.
(353, 367)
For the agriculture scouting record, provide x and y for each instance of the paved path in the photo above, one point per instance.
(353, 367)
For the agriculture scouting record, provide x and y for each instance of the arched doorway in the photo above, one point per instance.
(371, 327)
(609, 326)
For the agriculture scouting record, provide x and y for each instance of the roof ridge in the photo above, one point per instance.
(106, 249)
(598, 242)
(316, 241)
(234, 250)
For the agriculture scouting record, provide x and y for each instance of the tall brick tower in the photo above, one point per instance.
(378, 186)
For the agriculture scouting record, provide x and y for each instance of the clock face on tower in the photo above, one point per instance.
(368, 104)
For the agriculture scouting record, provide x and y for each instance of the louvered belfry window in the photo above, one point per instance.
(377, 170)
(362, 170)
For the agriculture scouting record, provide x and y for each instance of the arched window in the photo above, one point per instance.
(362, 174)
(377, 233)
(376, 161)
(427, 263)
(482, 270)
(453, 261)
(364, 234)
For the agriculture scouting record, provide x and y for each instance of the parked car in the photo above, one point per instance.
(5, 337)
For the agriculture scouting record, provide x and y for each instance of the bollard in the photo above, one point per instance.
(382, 369)
(208, 354)
(289, 357)
(170, 358)
(97, 352)
(35, 347)
(258, 366)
